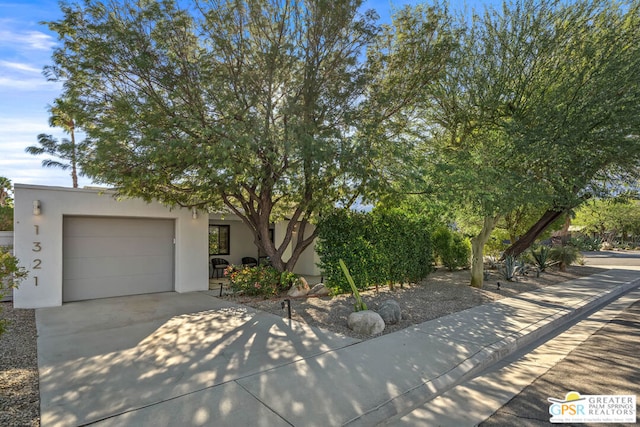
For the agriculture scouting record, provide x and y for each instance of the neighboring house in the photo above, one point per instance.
(83, 244)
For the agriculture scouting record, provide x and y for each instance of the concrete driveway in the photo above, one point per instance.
(178, 354)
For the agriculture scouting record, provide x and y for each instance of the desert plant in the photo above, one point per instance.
(565, 256)
(511, 267)
(359, 305)
(586, 243)
(540, 257)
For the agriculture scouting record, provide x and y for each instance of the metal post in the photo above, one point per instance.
(288, 301)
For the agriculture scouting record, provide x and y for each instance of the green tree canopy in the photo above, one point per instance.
(261, 107)
(538, 105)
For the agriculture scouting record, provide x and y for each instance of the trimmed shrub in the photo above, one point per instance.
(381, 247)
(451, 248)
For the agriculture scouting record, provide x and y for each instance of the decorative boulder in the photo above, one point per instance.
(319, 290)
(299, 289)
(390, 312)
(365, 322)
(606, 246)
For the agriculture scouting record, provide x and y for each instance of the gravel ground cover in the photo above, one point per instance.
(19, 393)
(442, 293)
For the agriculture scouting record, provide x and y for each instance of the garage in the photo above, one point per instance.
(114, 256)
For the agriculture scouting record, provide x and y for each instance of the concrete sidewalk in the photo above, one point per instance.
(191, 359)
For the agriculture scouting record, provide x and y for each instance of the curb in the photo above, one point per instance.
(484, 358)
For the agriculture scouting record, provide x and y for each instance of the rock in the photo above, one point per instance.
(390, 312)
(365, 322)
(319, 290)
(299, 289)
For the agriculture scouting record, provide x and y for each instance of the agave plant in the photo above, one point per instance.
(511, 267)
(541, 257)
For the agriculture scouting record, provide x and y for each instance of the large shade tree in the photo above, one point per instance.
(538, 105)
(261, 107)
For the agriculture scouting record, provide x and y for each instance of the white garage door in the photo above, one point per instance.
(106, 257)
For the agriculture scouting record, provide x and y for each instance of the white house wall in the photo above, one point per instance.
(38, 238)
(241, 243)
(308, 260)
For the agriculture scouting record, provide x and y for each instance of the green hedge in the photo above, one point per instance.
(453, 250)
(379, 248)
(6, 218)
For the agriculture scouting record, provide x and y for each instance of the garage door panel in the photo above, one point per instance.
(117, 227)
(86, 247)
(106, 287)
(111, 256)
(86, 268)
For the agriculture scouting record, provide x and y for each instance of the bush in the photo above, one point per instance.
(260, 280)
(453, 250)
(6, 218)
(565, 255)
(586, 243)
(10, 276)
(380, 247)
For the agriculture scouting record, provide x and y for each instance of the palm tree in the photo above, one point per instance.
(67, 150)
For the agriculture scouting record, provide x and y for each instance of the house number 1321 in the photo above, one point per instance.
(37, 247)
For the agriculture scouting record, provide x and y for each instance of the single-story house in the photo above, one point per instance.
(80, 244)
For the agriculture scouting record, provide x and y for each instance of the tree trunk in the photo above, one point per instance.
(530, 236)
(477, 249)
(258, 221)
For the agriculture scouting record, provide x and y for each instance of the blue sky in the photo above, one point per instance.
(25, 48)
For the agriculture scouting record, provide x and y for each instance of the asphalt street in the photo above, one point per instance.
(606, 363)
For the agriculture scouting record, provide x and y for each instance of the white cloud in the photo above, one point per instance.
(35, 40)
(20, 66)
(14, 126)
(14, 82)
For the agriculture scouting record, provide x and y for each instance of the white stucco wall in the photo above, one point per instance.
(241, 242)
(191, 258)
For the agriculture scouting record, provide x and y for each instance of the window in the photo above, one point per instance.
(218, 239)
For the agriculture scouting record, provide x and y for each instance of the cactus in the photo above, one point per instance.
(359, 305)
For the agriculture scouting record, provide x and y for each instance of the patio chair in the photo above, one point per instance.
(249, 261)
(218, 265)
